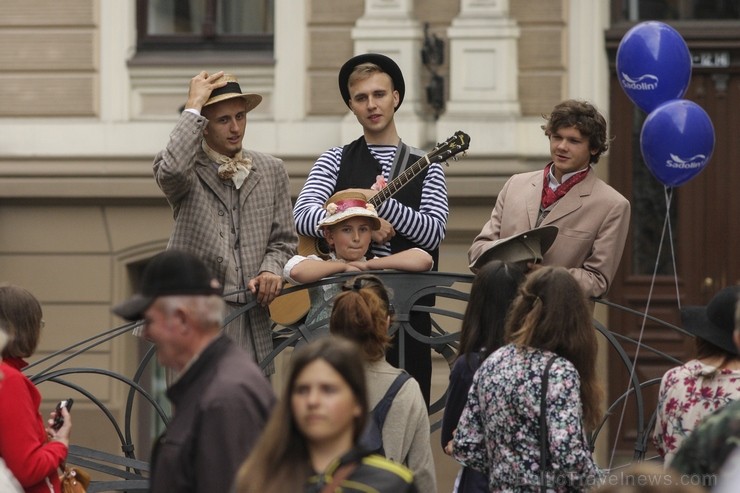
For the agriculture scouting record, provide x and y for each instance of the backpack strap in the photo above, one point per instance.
(544, 449)
(380, 411)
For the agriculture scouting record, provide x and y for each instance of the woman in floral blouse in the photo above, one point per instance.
(690, 392)
(499, 431)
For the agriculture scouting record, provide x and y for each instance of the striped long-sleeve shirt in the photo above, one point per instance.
(425, 227)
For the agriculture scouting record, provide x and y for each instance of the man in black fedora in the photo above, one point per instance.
(220, 398)
(372, 86)
(231, 206)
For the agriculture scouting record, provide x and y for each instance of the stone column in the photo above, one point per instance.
(483, 73)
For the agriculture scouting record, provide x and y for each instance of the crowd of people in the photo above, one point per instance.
(523, 394)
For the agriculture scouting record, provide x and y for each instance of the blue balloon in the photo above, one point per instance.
(653, 64)
(676, 141)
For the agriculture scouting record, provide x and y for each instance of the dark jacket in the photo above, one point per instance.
(373, 473)
(461, 377)
(221, 404)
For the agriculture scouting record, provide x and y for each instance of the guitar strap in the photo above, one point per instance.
(400, 161)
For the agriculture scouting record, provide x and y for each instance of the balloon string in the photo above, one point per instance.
(668, 198)
(666, 227)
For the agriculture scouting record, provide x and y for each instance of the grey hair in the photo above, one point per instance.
(208, 311)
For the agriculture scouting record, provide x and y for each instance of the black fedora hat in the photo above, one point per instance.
(169, 273)
(385, 63)
(529, 246)
(715, 322)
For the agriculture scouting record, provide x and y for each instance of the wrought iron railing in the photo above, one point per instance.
(126, 472)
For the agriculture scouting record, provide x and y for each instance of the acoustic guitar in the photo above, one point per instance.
(289, 309)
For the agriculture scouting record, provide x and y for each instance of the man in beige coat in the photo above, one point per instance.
(231, 206)
(592, 218)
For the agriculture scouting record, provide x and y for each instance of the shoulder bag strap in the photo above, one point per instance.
(342, 473)
(544, 452)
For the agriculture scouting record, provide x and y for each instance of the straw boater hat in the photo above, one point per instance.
(233, 90)
(529, 246)
(389, 67)
(346, 204)
(715, 322)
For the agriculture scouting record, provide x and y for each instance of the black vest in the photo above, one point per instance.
(358, 169)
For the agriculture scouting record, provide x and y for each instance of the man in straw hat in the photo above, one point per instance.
(592, 218)
(372, 86)
(232, 206)
(221, 400)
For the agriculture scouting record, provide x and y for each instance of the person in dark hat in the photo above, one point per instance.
(372, 86)
(220, 397)
(692, 391)
(592, 218)
(231, 206)
(712, 448)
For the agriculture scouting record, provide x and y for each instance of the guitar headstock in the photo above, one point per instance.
(451, 147)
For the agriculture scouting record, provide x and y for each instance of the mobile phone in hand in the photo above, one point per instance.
(58, 418)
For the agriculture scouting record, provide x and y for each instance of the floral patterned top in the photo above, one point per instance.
(498, 433)
(688, 394)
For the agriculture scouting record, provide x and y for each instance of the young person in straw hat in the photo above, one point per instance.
(347, 228)
(231, 205)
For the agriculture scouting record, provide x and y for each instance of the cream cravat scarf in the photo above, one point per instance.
(235, 169)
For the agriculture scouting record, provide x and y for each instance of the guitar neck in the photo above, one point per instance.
(400, 181)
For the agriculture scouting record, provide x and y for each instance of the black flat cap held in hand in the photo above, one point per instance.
(529, 246)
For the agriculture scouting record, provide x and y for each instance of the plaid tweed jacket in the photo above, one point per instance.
(203, 222)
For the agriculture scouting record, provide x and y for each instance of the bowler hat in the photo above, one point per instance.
(385, 63)
(714, 322)
(233, 90)
(529, 246)
(169, 273)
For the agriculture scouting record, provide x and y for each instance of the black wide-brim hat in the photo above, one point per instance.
(385, 63)
(715, 322)
(169, 273)
(529, 246)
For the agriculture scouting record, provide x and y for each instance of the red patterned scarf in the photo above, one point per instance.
(550, 196)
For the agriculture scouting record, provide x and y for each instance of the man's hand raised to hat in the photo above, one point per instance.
(200, 88)
(265, 287)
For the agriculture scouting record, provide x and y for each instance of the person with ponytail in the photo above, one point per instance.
(363, 313)
(310, 444)
(549, 332)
